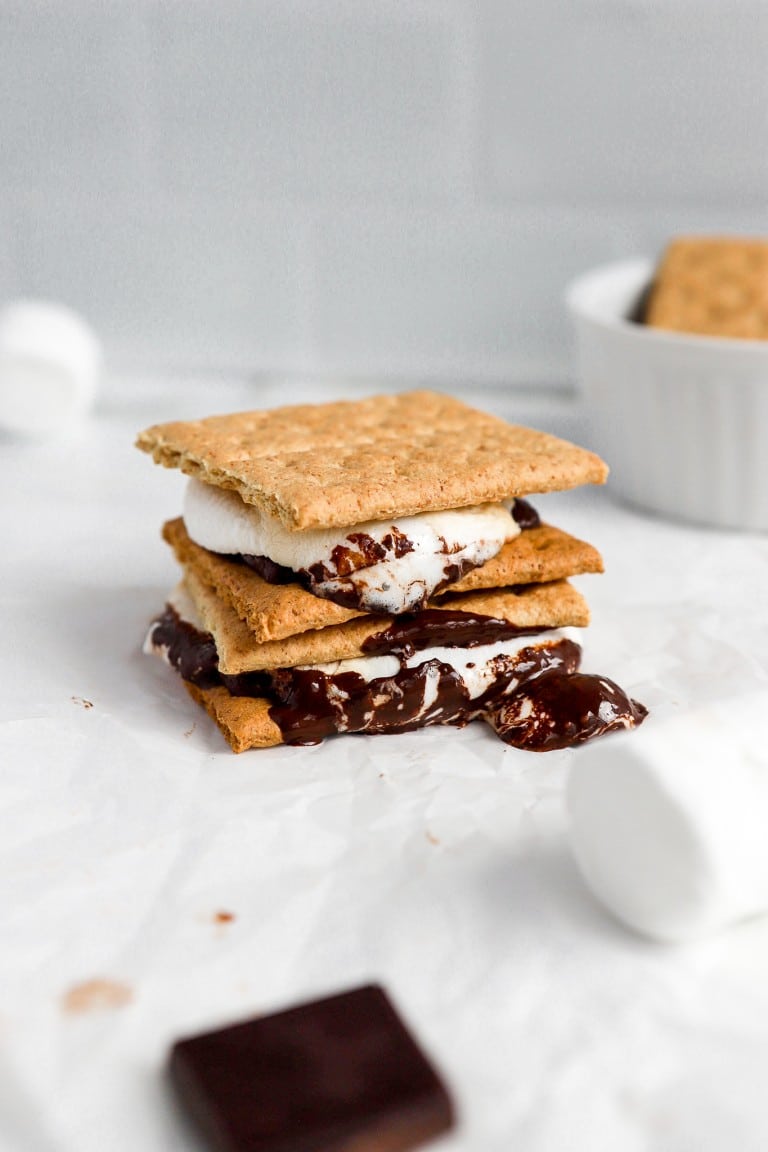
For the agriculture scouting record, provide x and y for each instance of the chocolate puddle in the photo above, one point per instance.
(558, 711)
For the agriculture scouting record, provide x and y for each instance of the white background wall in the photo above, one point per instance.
(364, 187)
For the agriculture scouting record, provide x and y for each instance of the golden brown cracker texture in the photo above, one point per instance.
(275, 611)
(271, 611)
(554, 605)
(243, 720)
(712, 286)
(537, 555)
(327, 465)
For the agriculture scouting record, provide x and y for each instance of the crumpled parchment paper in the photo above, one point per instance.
(154, 885)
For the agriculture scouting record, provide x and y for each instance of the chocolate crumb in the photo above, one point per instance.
(224, 917)
(82, 701)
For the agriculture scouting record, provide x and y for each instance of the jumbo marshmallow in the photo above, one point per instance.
(50, 364)
(669, 824)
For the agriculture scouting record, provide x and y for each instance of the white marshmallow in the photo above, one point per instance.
(50, 363)
(221, 521)
(668, 823)
(475, 666)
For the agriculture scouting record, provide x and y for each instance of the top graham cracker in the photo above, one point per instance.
(712, 286)
(335, 465)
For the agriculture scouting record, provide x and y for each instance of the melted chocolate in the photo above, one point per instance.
(512, 672)
(434, 628)
(536, 698)
(191, 652)
(364, 554)
(558, 709)
(313, 704)
(268, 570)
(525, 514)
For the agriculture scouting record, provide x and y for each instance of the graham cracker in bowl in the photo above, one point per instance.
(712, 286)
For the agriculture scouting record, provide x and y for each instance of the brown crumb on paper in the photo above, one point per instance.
(432, 838)
(224, 917)
(96, 996)
(82, 701)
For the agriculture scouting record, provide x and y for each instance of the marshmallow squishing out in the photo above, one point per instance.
(669, 827)
(397, 581)
(50, 362)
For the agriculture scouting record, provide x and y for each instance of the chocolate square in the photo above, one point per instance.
(334, 1074)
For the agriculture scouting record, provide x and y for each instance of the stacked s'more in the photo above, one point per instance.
(374, 566)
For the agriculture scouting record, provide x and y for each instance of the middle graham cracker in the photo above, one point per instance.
(274, 611)
(555, 605)
(329, 465)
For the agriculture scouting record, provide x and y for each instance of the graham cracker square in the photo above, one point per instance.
(712, 286)
(274, 611)
(335, 465)
(555, 605)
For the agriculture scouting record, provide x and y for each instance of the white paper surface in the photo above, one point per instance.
(434, 862)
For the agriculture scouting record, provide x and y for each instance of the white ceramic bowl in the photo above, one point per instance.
(682, 420)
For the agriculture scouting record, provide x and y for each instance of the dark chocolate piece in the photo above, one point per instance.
(328, 1076)
(559, 709)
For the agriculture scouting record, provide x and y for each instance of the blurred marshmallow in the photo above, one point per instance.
(50, 364)
(668, 823)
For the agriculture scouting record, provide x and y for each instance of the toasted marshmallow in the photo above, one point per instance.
(382, 566)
